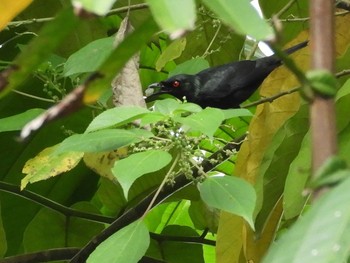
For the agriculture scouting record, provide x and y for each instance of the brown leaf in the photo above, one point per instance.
(126, 86)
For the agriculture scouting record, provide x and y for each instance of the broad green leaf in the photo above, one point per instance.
(174, 16)
(100, 8)
(166, 106)
(231, 194)
(342, 106)
(169, 213)
(9, 9)
(16, 122)
(89, 58)
(3, 242)
(128, 245)
(172, 52)
(235, 14)
(116, 117)
(116, 61)
(234, 113)
(207, 121)
(190, 252)
(321, 235)
(299, 172)
(46, 165)
(40, 48)
(72, 232)
(188, 107)
(129, 169)
(192, 66)
(102, 140)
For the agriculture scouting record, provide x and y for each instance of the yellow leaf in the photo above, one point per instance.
(270, 117)
(102, 163)
(10, 8)
(256, 247)
(229, 240)
(46, 165)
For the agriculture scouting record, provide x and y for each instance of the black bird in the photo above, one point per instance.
(225, 86)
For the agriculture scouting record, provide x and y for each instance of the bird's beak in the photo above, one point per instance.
(153, 91)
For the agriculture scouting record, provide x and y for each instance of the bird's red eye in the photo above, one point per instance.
(175, 84)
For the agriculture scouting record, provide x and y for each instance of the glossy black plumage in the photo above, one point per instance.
(225, 86)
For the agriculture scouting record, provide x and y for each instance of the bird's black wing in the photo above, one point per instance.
(231, 79)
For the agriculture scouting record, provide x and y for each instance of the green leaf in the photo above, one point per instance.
(116, 117)
(166, 106)
(321, 235)
(207, 121)
(190, 252)
(103, 140)
(174, 16)
(100, 8)
(75, 232)
(231, 194)
(192, 66)
(187, 107)
(128, 245)
(89, 58)
(235, 14)
(3, 242)
(323, 82)
(299, 172)
(16, 122)
(173, 51)
(40, 48)
(331, 172)
(129, 169)
(234, 113)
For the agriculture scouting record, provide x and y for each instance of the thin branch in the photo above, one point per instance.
(339, 74)
(342, 73)
(272, 98)
(304, 19)
(33, 96)
(127, 8)
(206, 52)
(285, 8)
(165, 180)
(47, 19)
(45, 202)
(43, 256)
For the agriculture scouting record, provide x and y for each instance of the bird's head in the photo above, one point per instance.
(179, 86)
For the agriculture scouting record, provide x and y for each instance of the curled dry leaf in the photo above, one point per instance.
(126, 85)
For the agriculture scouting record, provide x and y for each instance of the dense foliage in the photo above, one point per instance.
(170, 182)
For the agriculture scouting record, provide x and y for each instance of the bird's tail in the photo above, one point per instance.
(296, 47)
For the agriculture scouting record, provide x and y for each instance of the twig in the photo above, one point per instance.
(33, 96)
(272, 98)
(285, 8)
(43, 256)
(342, 73)
(47, 19)
(45, 202)
(339, 74)
(206, 52)
(162, 184)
